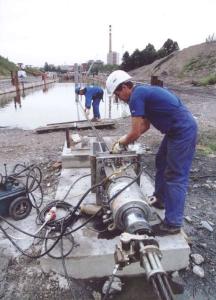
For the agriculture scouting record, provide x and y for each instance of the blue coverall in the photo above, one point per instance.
(166, 112)
(93, 94)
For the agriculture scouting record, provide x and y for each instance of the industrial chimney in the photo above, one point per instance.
(112, 57)
(110, 38)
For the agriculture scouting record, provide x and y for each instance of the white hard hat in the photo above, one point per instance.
(115, 79)
(82, 88)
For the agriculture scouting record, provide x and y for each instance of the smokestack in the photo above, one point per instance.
(110, 38)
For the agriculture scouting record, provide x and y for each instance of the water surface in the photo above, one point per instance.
(51, 104)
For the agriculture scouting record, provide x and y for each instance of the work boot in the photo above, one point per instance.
(163, 228)
(95, 119)
(155, 202)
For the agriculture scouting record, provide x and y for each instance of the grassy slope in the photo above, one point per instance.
(6, 66)
(195, 63)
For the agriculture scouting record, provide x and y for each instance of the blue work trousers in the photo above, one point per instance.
(173, 163)
(95, 105)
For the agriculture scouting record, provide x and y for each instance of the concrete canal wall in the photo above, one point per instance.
(9, 88)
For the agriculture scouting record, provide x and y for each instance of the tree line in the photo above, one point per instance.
(129, 62)
(147, 56)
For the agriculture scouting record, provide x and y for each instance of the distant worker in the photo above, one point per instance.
(165, 111)
(93, 95)
(21, 75)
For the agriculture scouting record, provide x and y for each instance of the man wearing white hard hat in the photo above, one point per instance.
(165, 111)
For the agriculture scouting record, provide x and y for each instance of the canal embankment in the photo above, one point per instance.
(6, 86)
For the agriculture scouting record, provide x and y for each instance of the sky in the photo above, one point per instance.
(59, 32)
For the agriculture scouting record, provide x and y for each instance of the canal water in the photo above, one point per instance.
(53, 103)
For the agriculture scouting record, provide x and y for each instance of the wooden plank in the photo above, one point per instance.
(101, 124)
(75, 125)
(55, 127)
(69, 122)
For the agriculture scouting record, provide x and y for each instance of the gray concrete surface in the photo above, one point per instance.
(28, 85)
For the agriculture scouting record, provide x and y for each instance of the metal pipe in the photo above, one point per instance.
(168, 287)
(164, 291)
(146, 264)
(154, 272)
(152, 280)
(96, 132)
(152, 261)
(67, 137)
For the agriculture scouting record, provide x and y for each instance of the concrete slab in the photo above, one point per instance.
(75, 157)
(93, 257)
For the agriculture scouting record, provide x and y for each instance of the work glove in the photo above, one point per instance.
(87, 111)
(118, 147)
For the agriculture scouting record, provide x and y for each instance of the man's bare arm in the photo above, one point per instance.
(139, 126)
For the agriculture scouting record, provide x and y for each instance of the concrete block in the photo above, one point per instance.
(75, 157)
(93, 257)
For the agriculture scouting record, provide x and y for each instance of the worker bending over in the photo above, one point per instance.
(93, 95)
(165, 111)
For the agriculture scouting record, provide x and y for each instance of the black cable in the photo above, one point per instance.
(57, 222)
(51, 205)
(32, 197)
(23, 252)
(31, 187)
(19, 229)
(114, 196)
(73, 293)
(57, 237)
(85, 194)
(33, 176)
(62, 254)
(71, 217)
(108, 288)
(72, 185)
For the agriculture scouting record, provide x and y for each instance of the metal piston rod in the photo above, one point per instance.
(150, 261)
(145, 249)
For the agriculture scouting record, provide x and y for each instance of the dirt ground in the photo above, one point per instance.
(22, 278)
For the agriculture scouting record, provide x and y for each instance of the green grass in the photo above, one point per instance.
(207, 143)
(209, 80)
(200, 63)
(6, 66)
(193, 65)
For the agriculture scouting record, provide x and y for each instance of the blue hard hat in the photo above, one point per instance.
(77, 90)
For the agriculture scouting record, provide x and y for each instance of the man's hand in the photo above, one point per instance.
(87, 111)
(123, 139)
(118, 147)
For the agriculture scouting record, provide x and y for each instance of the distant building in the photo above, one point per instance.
(98, 63)
(112, 56)
(67, 68)
(84, 67)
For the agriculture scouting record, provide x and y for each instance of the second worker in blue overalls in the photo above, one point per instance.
(93, 95)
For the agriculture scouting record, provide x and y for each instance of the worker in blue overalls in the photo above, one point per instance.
(93, 95)
(165, 111)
